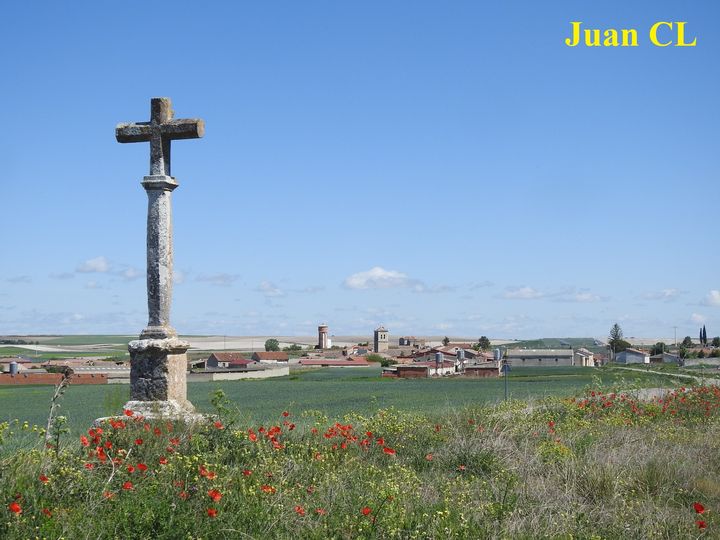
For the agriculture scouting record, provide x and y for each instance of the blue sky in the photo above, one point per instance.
(441, 169)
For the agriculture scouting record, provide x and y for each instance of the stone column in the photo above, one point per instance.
(158, 365)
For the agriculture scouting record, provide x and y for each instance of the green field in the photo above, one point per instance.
(331, 391)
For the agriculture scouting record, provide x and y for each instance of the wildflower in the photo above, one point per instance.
(138, 441)
(128, 412)
(211, 475)
(212, 512)
(368, 434)
(142, 467)
(184, 495)
(366, 511)
(215, 495)
(89, 466)
(47, 512)
(438, 427)
(314, 430)
(381, 441)
(130, 469)
(252, 436)
(157, 431)
(218, 424)
(163, 460)
(174, 441)
(247, 472)
(15, 508)
(461, 468)
(267, 489)
(108, 494)
(299, 510)
(146, 426)
(699, 508)
(551, 424)
(291, 427)
(44, 479)
(127, 486)
(701, 524)
(285, 414)
(108, 445)
(84, 440)
(389, 451)
(320, 511)
(310, 489)
(429, 457)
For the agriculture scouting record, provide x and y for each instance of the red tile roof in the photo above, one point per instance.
(271, 355)
(230, 357)
(334, 362)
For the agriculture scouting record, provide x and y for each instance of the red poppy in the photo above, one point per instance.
(47, 512)
(219, 425)
(174, 441)
(146, 426)
(320, 511)
(699, 508)
(15, 508)
(44, 479)
(701, 524)
(138, 441)
(252, 436)
(438, 427)
(128, 412)
(310, 489)
(211, 512)
(184, 495)
(461, 468)
(551, 424)
(215, 495)
(84, 440)
(163, 460)
(142, 467)
(127, 485)
(299, 510)
(285, 414)
(108, 494)
(130, 469)
(211, 475)
(108, 445)
(157, 431)
(429, 457)
(247, 472)
(368, 434)
(389, 451)
(381, 441)
(89, 466)
(267, 489)
(366, 511)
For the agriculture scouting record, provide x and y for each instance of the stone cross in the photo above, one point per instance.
(158, 362)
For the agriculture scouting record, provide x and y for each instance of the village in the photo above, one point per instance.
(400, 357)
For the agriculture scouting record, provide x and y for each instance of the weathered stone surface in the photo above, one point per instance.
(158, 370)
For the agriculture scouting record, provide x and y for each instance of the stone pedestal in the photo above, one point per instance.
(158, 380)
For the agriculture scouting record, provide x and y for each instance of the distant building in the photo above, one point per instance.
(540, 357)
(358, 361)
(323, 340)
(411, 341)
(227, 360)
(632, 356)
(271, 356)
(584, 358)
(380, 339)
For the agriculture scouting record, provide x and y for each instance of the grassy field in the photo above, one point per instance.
(334, 392)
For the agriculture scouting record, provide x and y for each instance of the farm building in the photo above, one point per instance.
(270, 356)
(489, 369)
(227, 360)
(540, 357)
(584, 358)
(358, 361)
(632, 356)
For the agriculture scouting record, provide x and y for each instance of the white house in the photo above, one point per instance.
(632, 356)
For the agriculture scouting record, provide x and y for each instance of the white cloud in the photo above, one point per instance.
(19, 279)
(269, 289)
(697, 318)
(178, 277)
(665, 295)
(522, 293)
(712, 298)
(98, 264)
(378, 278)
(219, 280)
(92, 285)
(130, 274)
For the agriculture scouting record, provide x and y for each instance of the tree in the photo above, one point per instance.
(716, 341)
(446, 340)
(272, 344)
(483, 343)
(384, 362)
(616, 336)
(704, 336)
(687, 342)
(658, 348)
(701, 354)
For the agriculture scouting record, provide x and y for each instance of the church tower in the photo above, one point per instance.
(380, 339)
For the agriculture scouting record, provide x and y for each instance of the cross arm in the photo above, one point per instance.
(183, 128)
(133, 132)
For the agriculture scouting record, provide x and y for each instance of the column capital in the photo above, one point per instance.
(159, 182)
